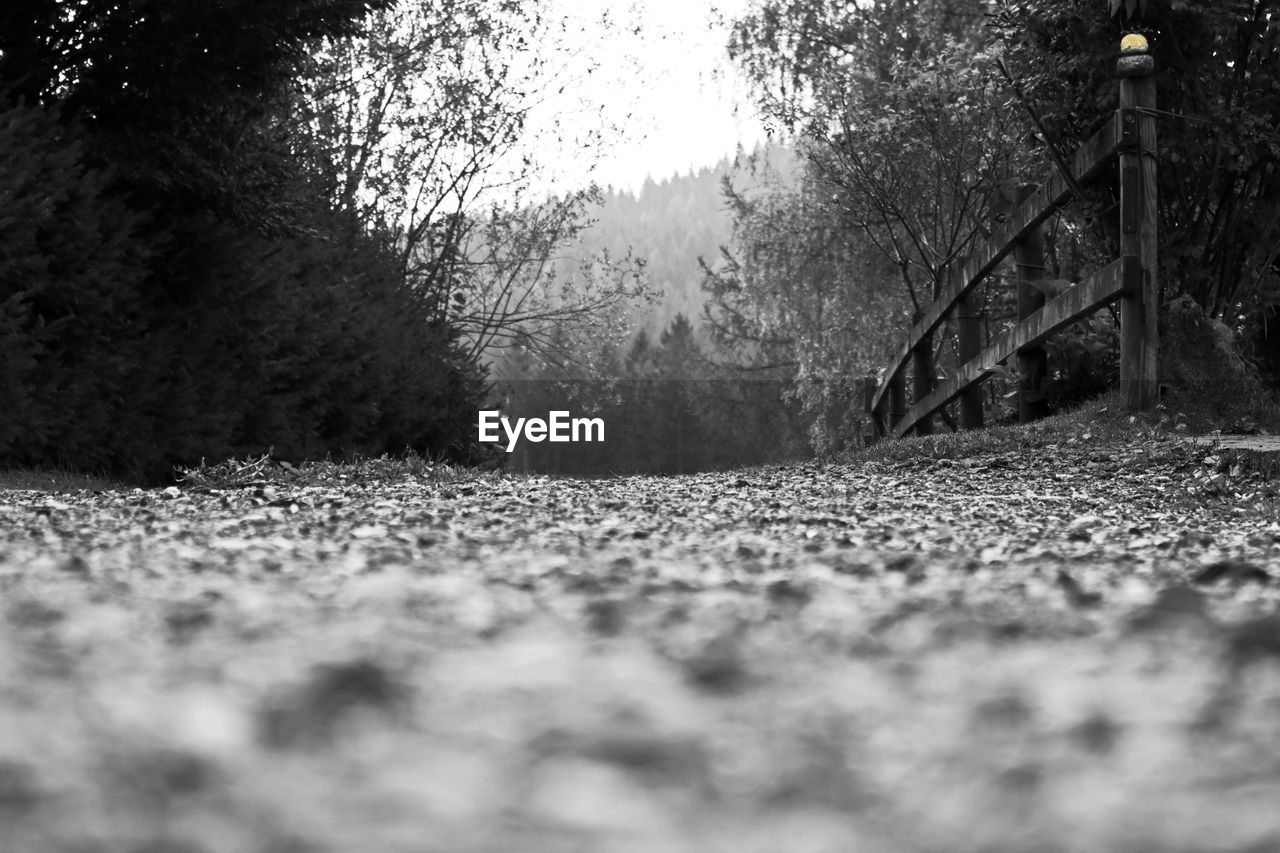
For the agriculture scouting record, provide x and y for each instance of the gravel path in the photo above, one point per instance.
(1071, 650)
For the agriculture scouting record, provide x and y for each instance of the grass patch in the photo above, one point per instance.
(1101, 421)
(263, 470)
(53, 480)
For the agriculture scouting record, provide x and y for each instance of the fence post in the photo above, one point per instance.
(897, 398)
(880, 429)
(868, 394)
(1138, 223)
(922, 379)
(1028, 257)
(969, 341)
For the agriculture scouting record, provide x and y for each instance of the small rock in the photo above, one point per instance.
(19, 790)
(1075, 593)
(718, 665)
(31, 613)
(1097, 733)
(49, 507)
(785, 591)
(1081, 530)
(1024, 777)
(1232, 571)
(76, 565)
(1254, 639)
(907, 564)
(186, 619)
(1175, 605)
(605, 617)
(650, 754)
(313, 712)
(1002, 713)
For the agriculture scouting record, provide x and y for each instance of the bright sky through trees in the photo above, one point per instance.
(662, 85)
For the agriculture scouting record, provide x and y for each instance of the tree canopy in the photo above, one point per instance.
(181, 98)
(915, 143)
(1218, 96)
(173, 285)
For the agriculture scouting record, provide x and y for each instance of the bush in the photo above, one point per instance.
(72, 274)
(131, 342)
(1202, 370)
(1083, 362)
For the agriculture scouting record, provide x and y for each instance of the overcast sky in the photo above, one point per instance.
(668, 88)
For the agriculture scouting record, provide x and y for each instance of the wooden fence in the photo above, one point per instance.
(1129, 136)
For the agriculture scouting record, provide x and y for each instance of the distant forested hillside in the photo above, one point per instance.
(675, 397)
(670, 223)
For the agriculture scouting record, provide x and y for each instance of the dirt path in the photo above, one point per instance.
(990, 654)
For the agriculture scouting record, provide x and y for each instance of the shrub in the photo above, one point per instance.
(1083, 362)
(133, 342)
(71, 279)
(1202, 369)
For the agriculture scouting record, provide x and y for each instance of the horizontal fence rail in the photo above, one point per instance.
(1019, 223)
(1128, 136)
(1080, 300)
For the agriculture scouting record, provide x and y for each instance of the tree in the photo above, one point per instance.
(801, 302)
(914, 161)
(422, 127)
(792, 51)
(510, 289)
(903, 124)
(175, 98)
(174, 287)
(1218, 94)
(902, 121)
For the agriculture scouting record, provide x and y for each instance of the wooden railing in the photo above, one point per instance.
(1128, 136)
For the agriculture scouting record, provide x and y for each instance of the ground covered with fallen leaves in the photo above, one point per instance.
(1065, 649)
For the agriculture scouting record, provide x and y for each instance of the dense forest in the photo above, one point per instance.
(675, 224)
(670, 223)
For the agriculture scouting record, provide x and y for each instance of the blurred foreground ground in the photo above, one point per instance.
(1064, 650)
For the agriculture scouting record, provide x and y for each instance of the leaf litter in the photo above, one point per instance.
(1007, 652)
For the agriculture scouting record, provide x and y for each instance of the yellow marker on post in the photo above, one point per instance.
(1133, 43)
(1134, 59)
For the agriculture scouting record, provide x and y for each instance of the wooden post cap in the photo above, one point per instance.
(1134, 60)
(1133, 43)
(1138, 65)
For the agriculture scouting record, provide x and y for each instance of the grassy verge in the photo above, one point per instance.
(52, 480)
(1101, 421)
(250, 471)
